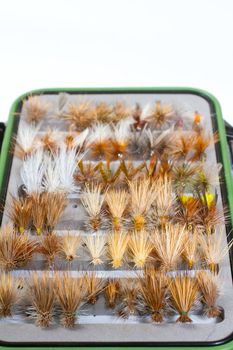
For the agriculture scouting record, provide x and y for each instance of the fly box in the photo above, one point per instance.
(116, 220)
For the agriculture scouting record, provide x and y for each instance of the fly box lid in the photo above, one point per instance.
(116, 219)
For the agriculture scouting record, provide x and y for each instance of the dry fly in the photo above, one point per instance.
(39, 210)
(117, 245)
(55, 203)
(68, 246)
(184, 294)
(87, 172)
(210, 291)
(184, 176)
(65, 166)
(214, 249)
(182, 145)
(99, 141)
(200, 143)
(26, 139)
(19, 212)
(117, 201)
(190, 253)
(131, 171)
(93, 200)
(96, 247)
(76, 140)
(139, 145)
(50, 247)
(163, 201)
(211, 215)
(32, 172)
(153, 293)
(128, 298)
(120, 140)
(207, 179)
(188, 212)
(140, 247)
(103, 112)
(50, 141)
(35, 109)
(42, 296)
(15, 250)
(139, 115)
(196, 121)
(143, 194)
(70, 293)
(120, 112)
(9, 293)
(94, 286)
(160, 115)
(169, 245)
(111, 292)
(108, 175)
(80, 116)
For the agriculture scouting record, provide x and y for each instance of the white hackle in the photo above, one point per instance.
(214, 247)
(66, 161)
(96, 246)
(79, 140)
(92, 199)
(51, 180)
(145, 111)
(122, 131)
(32, 172)
(27, 137)
(100, 133)
(154, 138)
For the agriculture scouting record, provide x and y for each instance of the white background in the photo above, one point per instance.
(100, 43)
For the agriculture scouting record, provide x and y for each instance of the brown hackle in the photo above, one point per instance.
(35, 109)
(94, 286)
(210, 291)
(56, 203)
(80, 116)
(160, 115)
(39, 210)
(70, 293)
(50, 246)
(111, 292)
(41, 294)
(15, 250)
(9, 293)
(128, 298)
(153, 293)
(184, 293)
(19, 212)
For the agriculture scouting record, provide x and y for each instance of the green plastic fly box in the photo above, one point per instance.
(116, 213)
